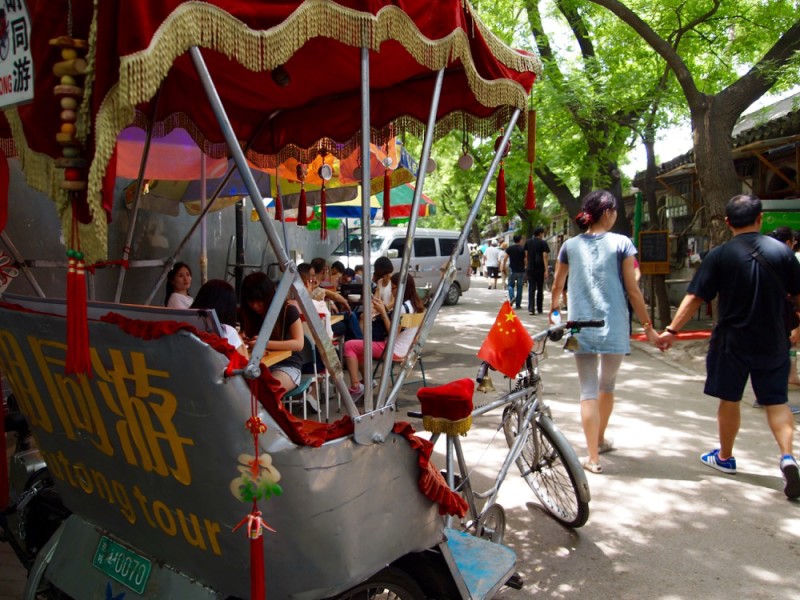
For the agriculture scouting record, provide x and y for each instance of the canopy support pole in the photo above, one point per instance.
(366, 194)
(412, 227)
(291, 278)
(450, 269)
(126, 250)
(20, 262)
(168, 264)
(204, 204)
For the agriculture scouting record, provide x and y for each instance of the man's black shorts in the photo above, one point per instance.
(727, 376)
(494, 272)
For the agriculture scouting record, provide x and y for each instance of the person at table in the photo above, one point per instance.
(257, 294)
(337, 274)
(220, 295)
(308, 276)
(179, 280)
(381, 280)
(322, 274)
(382, 316)
(348, 326)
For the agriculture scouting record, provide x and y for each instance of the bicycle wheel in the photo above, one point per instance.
(388, 584)
(552, 470)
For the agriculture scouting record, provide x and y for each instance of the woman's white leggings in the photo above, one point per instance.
(592, 382)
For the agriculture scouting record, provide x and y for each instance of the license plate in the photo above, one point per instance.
(122, 564)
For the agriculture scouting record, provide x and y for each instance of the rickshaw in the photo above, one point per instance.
(184, 474)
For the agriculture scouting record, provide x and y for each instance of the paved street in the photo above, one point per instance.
(662, 525)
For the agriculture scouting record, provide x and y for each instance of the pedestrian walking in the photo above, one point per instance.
(537, 265)
(601, 271)
(516, 266)
(491, 260)
(751, 275)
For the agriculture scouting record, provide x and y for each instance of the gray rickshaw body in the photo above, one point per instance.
(147, 451)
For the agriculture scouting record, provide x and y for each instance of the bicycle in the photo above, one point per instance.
(545, 458)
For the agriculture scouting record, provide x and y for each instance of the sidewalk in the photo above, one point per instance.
(662, 525)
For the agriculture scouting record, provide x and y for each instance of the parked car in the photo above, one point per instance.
(430, 251)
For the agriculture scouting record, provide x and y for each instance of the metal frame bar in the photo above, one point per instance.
(450, 268)
(412, 227)
(290, 279)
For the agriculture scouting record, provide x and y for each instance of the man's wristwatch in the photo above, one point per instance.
(670, 330)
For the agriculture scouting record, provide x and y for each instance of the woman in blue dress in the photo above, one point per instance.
(601, 272)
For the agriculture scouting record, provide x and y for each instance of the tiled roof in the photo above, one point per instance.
(775, 121)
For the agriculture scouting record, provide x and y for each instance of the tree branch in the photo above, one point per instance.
(664, 49)
(761, 77)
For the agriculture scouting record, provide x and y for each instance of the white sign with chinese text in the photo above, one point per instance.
(16, 59)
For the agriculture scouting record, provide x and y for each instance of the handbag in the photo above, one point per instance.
(790, 319)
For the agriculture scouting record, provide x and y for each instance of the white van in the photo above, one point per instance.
(430, 251)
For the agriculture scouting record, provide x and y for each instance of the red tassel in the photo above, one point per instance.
(78, 361)
(258, 588)
(387, 197)
(278, 207)
(501, 208)
(530, 196)
(323, 214)
(302, 209)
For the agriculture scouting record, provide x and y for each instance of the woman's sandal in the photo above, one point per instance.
(592, 467)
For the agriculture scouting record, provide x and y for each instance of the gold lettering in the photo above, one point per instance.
(164, 518)
(195, 539)
(212, 529)
(72, 396)
(83, 478)
(137, 493)
(125, 505)
(141, 412)
(14, 366)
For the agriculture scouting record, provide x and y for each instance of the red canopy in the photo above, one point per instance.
(288, 75)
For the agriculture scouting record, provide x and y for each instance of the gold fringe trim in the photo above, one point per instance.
(84, 122)
(446, 426)
(204, 25)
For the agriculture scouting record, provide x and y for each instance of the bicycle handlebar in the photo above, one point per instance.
(554, 332)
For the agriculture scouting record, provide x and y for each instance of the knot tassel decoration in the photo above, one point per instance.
(78, 361)
(278, 207)
(501, 208)
(302, 209)
(530, 196)
(323, 214)
(387, 196)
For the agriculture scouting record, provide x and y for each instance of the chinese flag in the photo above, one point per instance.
(508, 343)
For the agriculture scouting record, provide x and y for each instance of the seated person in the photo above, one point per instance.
(354, 349)
(220, 295)
(179, 280)
(307, 274)
(337, 271)
(258, 293)
(348, 326)
(359, 274)
(348, 275)
(381, 278)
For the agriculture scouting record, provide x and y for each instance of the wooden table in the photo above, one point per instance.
(273, 357)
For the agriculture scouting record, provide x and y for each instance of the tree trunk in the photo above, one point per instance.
(712, 125)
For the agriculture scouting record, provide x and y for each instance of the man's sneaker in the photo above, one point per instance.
(713, 460)
(357, 392)
(791, 476)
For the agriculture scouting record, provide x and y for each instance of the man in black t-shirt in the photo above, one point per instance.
(752, 275)
(515, 255)
(537, 265)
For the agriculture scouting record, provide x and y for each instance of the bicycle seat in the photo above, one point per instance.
(447, 408)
